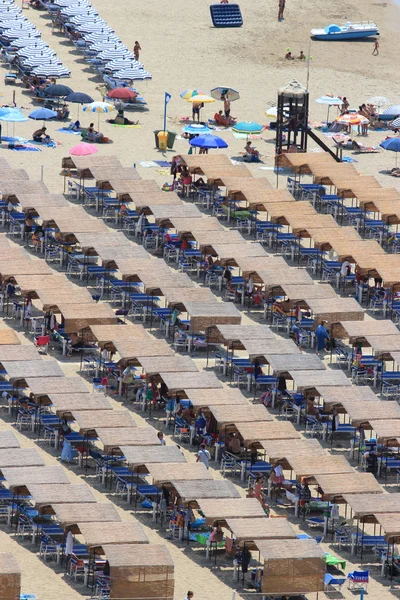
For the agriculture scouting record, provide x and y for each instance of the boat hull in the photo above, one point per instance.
(340, 37)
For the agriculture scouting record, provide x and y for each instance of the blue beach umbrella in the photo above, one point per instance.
(208, 141)
(42, 114)
(13, 116)
(392, 144)
(78, 98)
(248, 127)
(58, 90)
(196, 129)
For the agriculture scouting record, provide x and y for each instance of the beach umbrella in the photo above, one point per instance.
(112, 54)
(5, 110)
(132, 74)
(98, 107)
(208, 141)
(78, 98)
(395, 124)
(221, 91)
(37, 61)
(101, 46)
(13, 116)
(55, 71)
(92, 38)
(28, 43)
(58, 90)
(329, 101)
(31, 51)
(393, 110)
(248, 127)
(72, 11)
(89, 15)
(352, 119)
(94, 27)
(379, 102)
(122, 64)
(83, 149)
(272, 112)
(186, 94)
(122, 94)
(14, 34)
(201, 98)
(42, 114)
(392, 144)
(196, 129)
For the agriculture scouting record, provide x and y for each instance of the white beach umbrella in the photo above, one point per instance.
(93, 38)
(31, 52)
(102, 46)
(132, 74)
(112, 54)
(56, 71)
(14, 34)
(119, 65)
(32, 42)
(85, 18)
(37, 61)
(379, 102)
(73, 10)
(394, 110)
(93, 25)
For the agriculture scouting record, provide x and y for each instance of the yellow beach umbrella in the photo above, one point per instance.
(201, 98)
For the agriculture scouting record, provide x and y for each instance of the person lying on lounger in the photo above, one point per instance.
(121, 120)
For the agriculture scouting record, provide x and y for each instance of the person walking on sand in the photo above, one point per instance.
(227, 106)
(136, 49)
(375, 51)
(281, 10)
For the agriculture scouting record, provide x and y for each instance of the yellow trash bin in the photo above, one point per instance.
(162, 140)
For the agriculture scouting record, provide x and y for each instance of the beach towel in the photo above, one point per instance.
(126, 126)
(147, 163)
(163, 163)
(50, 144)
(23, 148)
(70, 131)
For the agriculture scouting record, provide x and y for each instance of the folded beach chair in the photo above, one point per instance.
(226, 15)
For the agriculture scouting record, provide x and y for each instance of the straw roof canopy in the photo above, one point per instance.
(59, 494)
(178, 297)
(275, 279)
(85, 162)
(240, 414)
(105, 334)
(123, 186)
(289, 549)
(115, 437)
(57, 385)
(156, 280)
(219, 397)
(11, 189)
(257, 348)
(189, 491)
(113, 253)
(203, 315)
(104, 174)
(34, 368)
(334, 487)
(310, 379)
(372, 504)
(279, 211)
(23, 266)
(88, 225)
(295, 362)
(208, 238)
(282, 449)
(167, 364)
(386, 431)
(97, 535)
(143, 455)
(198, 161)
(93, 419)
(306, 292)
(339, 394)
(113, 238)
(176, 382)
(25, 476)
(31, 283)
(13, 253)
(79, 316)
(223, 509)
(177, 211)
(36, 201)
(299, 162)
(131, 349)
(300, 223)
(192, 225)
(267, 430)
(50, 298)
(321, 172)
(218, 175)
(390, 523)
(239, 251)
(66, 403)
(361, 329)
(9, 566)
(242, 184)
(51, 213)
(384, 344)
(4, 164)
(245, 530)
(165, 473)
(237, 333)
(310, 466)
(8, 440)
(20, 457)
(337, 309)
(8, 337)
(11, 353)
(367, 251)
(71, 514)
(324, 237)
(149, 555)
(144, 199)
(364, 412)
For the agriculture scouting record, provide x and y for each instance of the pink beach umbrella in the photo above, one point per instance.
(83, 149)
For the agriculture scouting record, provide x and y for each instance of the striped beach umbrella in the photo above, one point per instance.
(100, 37)
(352, 119)
(31, 51)
(119, 65)
(112, 54)
(186, 94)
(28, 42)
(14, 34)
(393, 110)
(132, 74)
(100, 46)
(54, 71)
(98, 107)
(395, 124)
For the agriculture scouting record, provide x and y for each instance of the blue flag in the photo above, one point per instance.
(167, 97)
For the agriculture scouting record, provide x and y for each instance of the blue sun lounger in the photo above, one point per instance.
(226, 15)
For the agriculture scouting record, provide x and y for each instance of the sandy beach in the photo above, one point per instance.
(182, 50)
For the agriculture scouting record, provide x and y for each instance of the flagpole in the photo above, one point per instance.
(167, 98)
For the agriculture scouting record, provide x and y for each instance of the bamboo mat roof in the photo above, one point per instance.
(167, 364)
(88, 225)
(113, 253)
(85, 162)
(159, 198)
(10, 189)
(322, 173)
(279, 211)
(131, 349)
(20, 457)
(130, 555)
(283, 449)
(218, 175)
(52, 213)
(335, 487)
(97, 535)
(133, 186)
(203, 314)
(219, 397)
(208, 238)
(13, 352)
(246, 530)
(23, 266)
(66, 403)
(33, 368)
(250, 264)
(351, 188)
(390, 523)
(276, 278)
(177, 211)
(310, 466)
(188, 491)
(309, 379)
(300, 223)
(57, 385)
(257, 348)
(8, 566)
(364, 412)
(87, 420)
(104, 174)
(299, 162)
(368, 251)
(324, 237)
(25, 476)
(289, 549)
(165, 473)
(113, 238)
(189, 381)
(115, 437)
(106, 334)
(36, 201)
(266, 431)
(153, 280)
(237, 333)
(8, 440)
(384, 344)
(372, 504)
(223, 509)
(191, 225)
(31, 283)
(178, 297)
(71, 514)
(59, 494)
(143, 455)
(255, 413)
(50, 298)
(14, 253)
(258, 200)
(238, 250)
(316, 291)
(295, 362)
(361, 329)
(79, 316)
(198, 161)
(9, 337)
(336, 309)
(242, 184)
(386, 431)
(338, 394)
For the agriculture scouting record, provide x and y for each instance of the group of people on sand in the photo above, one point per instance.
(288, 56)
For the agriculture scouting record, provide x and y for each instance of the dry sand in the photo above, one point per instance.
(181, 50)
